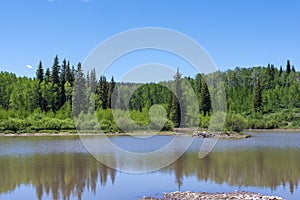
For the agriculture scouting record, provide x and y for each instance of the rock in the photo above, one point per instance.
(220, 135)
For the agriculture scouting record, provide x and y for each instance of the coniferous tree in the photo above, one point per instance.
(112, 86)
(288, 67)
(293, 69)
(55, 71)
(258, 96)
(80, 101)
(47, 75)
(205, 101)
(62, 82)
(40, 72)
(177, 101)
(55, 84)
(40, 77)
(93, 80)
(280, 70)
(103, 92)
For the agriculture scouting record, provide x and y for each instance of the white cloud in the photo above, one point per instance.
(29, 66)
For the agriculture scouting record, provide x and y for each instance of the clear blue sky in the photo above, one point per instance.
(234, 33)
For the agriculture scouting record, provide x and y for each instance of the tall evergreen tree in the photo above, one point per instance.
(62, 82)
(103, 92)
(40, 72)
(293, 69)
(176, 114)
(80, 100)
(47, 75)
(55, 71)
(205, 101)
(40, 77)
(55, 84)
(93, 80)
(280, 70)
(258, 96)
(288, 67)
(112, 86)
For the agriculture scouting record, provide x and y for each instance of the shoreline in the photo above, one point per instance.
(163, 133)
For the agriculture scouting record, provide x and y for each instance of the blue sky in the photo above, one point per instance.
(234, 33)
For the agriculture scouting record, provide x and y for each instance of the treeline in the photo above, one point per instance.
(258, 97)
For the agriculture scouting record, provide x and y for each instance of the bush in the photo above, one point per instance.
(48, 131)
(169, 126)
(235, 122)
(8, 132)
(14, 124)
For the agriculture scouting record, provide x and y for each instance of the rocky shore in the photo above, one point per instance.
(213, 196)
(221, 135)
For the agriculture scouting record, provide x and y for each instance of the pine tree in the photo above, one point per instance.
(288, 67)
(40, 77)
(55, 71)
(280, 70)
(47, 75)
(258, 96)
(93, 80)
(40, 72)
(62, 82)
(55, 84)
(205, 101)
(80, 101)
(112, 86)
(102, 91)
(176, 114)
(293, 69)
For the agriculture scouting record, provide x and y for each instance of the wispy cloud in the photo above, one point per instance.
(29, 66)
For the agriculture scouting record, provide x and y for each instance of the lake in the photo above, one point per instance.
(62, 168)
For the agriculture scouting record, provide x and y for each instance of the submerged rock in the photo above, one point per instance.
(215, 196)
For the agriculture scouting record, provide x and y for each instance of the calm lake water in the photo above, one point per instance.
(61, 168)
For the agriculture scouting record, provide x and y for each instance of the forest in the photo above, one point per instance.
(261, 97)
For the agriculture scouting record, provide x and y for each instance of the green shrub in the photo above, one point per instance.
(8, 132)
(49, 131)
(235, 122)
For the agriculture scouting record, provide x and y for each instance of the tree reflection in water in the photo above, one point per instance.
(64, 175)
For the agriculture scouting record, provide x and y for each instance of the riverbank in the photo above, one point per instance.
(208, 196)
(183, 131)
(85, 134)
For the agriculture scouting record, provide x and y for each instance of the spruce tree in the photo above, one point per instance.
(258, 96)
(55, 84)
(176, 115)
(47, 75)
(205, 101)
(103, 92)
(93, 80)
(62, 82)
(112, 86)
(55, 71)
(40, 77)
(288, 67)
(293, 69)
(80, 101)
(40, 72)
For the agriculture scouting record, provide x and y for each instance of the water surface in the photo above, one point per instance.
(61, 168)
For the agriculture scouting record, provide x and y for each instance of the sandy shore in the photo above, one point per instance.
(213, 196)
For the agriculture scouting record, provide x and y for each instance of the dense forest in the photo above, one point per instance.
(262, 97)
